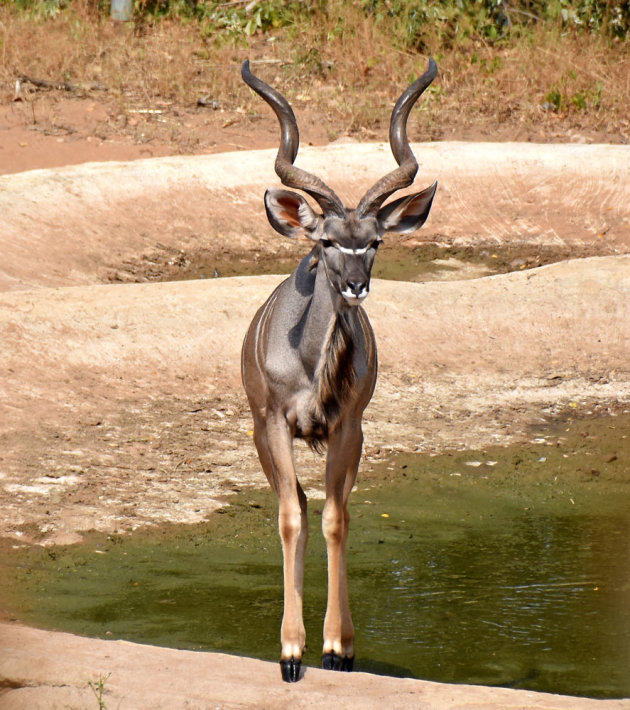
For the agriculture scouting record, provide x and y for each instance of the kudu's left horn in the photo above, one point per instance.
(404, 174)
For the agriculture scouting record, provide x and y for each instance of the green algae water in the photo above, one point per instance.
(507, 567)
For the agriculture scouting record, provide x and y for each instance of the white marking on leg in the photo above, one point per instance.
(333, 645)
(291, 650)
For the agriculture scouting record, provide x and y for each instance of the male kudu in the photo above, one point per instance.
(309, 357)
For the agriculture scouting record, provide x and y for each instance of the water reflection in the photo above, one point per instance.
(536, 601)
(477, 583)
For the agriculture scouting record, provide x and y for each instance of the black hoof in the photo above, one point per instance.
(334, 662)
(290, 670)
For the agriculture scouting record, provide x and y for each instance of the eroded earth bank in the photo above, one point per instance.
(121, 403)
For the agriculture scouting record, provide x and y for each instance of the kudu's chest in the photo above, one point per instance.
(320, 360)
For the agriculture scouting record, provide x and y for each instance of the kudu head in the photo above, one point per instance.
(348, 238)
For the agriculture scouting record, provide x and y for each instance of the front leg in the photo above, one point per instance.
(344, 454)
(293, 528)
(275, 450)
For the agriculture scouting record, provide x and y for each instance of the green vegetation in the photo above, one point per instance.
(98, 688)
(519, 64)
(416, 22)
(412, 24)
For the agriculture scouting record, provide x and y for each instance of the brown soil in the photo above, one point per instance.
(50, 128)
(53, 130)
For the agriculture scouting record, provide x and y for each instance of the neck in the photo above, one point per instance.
(326, 335)
(320, 315)
(335, 374)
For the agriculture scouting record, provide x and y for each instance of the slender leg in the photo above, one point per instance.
(294, 535)
(274, 445)
(344, 453)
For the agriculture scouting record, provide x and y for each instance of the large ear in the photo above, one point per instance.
(290, 214)
(407, 213)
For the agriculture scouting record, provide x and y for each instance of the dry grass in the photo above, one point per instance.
(143, 64)
(341, 64)
(359, 73)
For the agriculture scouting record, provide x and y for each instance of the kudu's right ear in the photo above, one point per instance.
(290, 214)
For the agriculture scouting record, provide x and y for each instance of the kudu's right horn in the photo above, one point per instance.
(289, 143)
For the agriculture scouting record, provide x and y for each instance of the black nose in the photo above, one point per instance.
(357, 287)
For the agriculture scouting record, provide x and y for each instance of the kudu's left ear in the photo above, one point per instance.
(407, 213)
(290, 214)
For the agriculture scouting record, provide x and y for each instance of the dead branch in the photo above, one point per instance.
(44, 84)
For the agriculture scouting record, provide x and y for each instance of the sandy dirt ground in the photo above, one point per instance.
(148, 678)
(121, 404)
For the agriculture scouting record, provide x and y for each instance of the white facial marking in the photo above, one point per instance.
(352, 298)
(345, 250)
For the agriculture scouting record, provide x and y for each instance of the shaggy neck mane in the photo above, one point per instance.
(336, 380)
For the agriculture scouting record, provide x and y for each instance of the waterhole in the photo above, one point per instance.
(507, 566)
(398, 262)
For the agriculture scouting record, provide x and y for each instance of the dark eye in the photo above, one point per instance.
(326, 243)
(375, 244)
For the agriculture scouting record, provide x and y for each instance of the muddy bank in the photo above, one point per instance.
(401, 261)
(122, 405)
(51, 671)
(94, 223)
